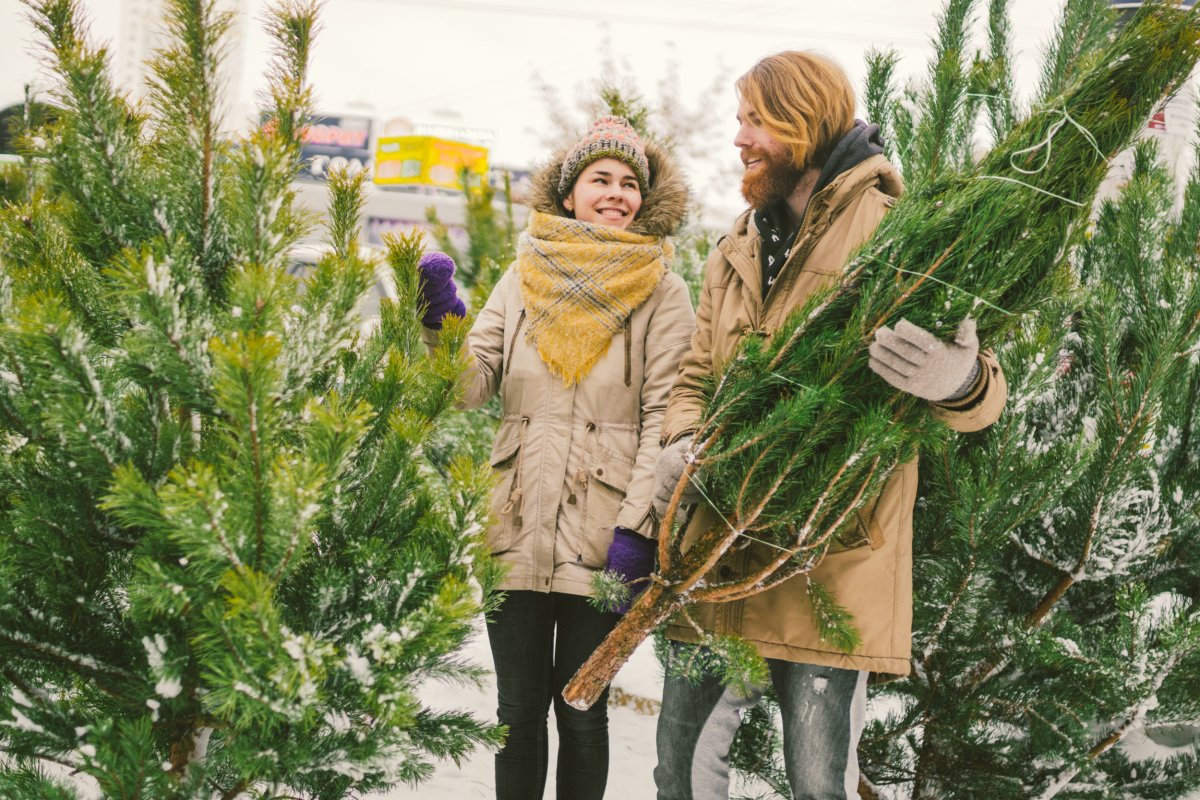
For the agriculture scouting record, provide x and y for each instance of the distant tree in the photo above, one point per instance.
(689, 130)
(18, 123)
(23, 117)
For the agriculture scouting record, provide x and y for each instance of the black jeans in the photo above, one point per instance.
(538, 642)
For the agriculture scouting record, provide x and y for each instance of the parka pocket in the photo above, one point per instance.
(885, 519)
(608, 480)
(861, 530)
(508, 496)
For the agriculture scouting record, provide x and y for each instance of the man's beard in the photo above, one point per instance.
(775, 180)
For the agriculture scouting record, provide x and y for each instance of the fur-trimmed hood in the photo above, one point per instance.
(663, 207)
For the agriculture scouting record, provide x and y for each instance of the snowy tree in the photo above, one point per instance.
(1056, 612)
(225, 560)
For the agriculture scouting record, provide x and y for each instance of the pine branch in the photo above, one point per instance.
(1063, 779)
(1079, 36)
(1000, 103)
(940, 130)
(185, 92)
(94, 160)
(880, 94)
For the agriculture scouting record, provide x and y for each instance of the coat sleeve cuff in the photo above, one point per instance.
(981, 406)
(964, 400)
(641, 521)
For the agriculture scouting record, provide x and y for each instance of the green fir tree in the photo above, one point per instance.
(226, 563)
(491, 238)
(1056, 611)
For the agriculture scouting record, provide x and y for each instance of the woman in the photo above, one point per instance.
(582, 338)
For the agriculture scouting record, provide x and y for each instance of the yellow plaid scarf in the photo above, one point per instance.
(580, 282)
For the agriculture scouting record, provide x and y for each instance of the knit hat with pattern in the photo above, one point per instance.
(609, 137)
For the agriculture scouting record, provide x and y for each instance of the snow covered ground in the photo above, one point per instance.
(632, 719)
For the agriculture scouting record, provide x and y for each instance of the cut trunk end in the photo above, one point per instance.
(651, 610)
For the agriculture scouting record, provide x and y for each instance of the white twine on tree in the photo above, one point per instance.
(742, 534)
(1048, 144)
(952, 286)
(786, 379)
(1075, 203)
(947, 284)
(1048, 141)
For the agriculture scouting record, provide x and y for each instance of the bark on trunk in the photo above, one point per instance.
(188, 749)
(651, 609)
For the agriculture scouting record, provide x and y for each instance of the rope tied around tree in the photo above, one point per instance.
(1046, 145)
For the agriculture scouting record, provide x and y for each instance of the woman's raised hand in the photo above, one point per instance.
(438, 292)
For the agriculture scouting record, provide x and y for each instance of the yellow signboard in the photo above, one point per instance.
(428, 161)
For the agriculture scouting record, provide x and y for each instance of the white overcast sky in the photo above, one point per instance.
(472, 62)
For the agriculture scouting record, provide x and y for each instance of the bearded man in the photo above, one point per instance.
(818, 185)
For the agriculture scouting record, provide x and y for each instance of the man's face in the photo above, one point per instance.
(770, 174)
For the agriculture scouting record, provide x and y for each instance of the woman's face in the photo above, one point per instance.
(605, 193)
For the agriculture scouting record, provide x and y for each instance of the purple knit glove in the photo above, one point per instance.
(438, 290)
(631, 556)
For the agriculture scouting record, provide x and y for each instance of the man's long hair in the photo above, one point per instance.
(803, 99)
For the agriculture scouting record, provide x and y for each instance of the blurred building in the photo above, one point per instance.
(142, 32)
(416, 175)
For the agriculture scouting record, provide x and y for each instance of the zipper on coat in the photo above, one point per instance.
(651, 515)
(804, 238)
(584, 473)
(628, 352)
(516, 498)
(512, 343)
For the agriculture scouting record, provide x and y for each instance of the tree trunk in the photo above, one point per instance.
(866, 789)
(191, 747)
(651, 609)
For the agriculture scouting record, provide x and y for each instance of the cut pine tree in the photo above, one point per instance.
(799, 433)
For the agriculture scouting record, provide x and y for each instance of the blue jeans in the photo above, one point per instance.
(823, 710)
(538, 641)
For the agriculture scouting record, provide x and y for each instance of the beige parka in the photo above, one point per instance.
(575, 461)
(869, 570)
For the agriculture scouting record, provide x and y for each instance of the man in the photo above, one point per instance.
(818, 185)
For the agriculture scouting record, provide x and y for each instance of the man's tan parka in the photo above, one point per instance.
(869, 571)
(573, 462)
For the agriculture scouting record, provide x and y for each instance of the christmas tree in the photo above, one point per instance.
(798, 433)
(225, 560)
(1059, 603)
(1057, 612)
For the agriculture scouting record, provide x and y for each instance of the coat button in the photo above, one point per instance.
(599, 470)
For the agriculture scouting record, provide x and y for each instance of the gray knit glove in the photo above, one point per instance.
(915, 361)
(667, 471)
